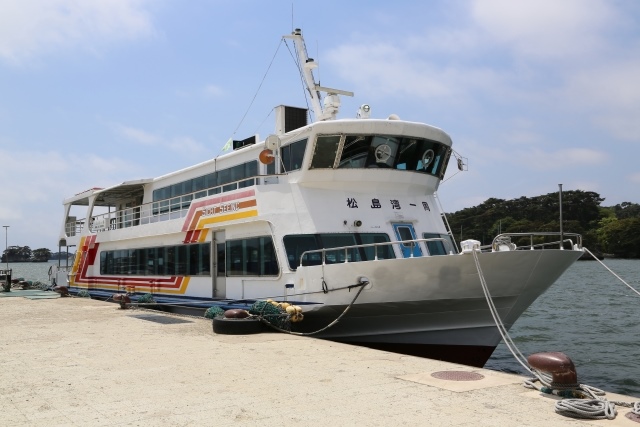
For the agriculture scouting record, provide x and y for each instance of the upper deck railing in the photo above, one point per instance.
(148, 213)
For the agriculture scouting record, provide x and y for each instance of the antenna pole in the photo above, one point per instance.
(561, 231)
(307, 65)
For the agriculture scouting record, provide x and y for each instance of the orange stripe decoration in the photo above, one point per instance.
(220, 209)
(86, 255)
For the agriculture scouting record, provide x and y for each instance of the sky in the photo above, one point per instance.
(534, 93)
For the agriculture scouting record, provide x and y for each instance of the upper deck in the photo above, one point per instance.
(335, 155)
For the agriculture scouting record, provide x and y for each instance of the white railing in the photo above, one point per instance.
(148, 213)
(505, 238)
(337, 257)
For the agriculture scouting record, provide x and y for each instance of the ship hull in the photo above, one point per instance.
(436, 307)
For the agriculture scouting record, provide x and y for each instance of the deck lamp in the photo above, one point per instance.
(364, 112)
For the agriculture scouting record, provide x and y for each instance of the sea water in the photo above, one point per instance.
(588, 314)
(33, 271)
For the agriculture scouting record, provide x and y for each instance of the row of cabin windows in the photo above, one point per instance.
(213, 183)
(255, 256)
(244, 257)
(178, 260)
(200, 184)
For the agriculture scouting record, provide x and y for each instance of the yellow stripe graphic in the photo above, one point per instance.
(229, 217)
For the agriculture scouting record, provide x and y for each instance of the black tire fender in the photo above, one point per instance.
(232, 326)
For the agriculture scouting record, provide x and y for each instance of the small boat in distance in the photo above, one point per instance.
(313, 214)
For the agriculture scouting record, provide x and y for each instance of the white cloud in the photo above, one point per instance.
(546, 28)
(611, 94)
(386, 69)
(32, 27)
(635, 178)
(185, 145)
(40, 180)
(569, 158)
(137, 135)
(213, 91)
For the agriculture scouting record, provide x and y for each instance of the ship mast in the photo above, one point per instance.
(328, 109)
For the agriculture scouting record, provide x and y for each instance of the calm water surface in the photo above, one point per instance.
(587, 314)
(590, 316)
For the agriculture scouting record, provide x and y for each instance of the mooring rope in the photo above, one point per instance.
(611, 271)
(496, 317)
(593, 409)
(590, 403)
(362, 285)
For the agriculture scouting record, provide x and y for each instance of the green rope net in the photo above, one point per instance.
(214, 311)
(146, 299)
(271, 313)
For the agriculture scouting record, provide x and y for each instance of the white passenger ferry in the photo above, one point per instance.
(311, 215)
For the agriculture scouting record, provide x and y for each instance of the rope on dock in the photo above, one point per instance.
(594, 409)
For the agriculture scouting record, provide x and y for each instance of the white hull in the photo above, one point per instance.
(437, 301)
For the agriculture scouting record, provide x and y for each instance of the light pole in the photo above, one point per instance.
(6, 246)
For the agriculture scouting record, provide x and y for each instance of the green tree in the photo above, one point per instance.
(620, 237)
(17, 254)
(627, 210)
(41, 255)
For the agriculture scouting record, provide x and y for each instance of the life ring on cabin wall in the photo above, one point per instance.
(266, 156)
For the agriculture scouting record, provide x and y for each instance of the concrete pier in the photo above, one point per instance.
(80, 362)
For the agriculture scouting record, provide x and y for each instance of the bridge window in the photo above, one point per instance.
(325, 151)
(381, 151)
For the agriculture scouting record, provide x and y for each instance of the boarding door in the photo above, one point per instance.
(219, 265)
(405, 231)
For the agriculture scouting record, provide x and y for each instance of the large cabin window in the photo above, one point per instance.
(255, 256)
(380, 151)
(296, 244)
